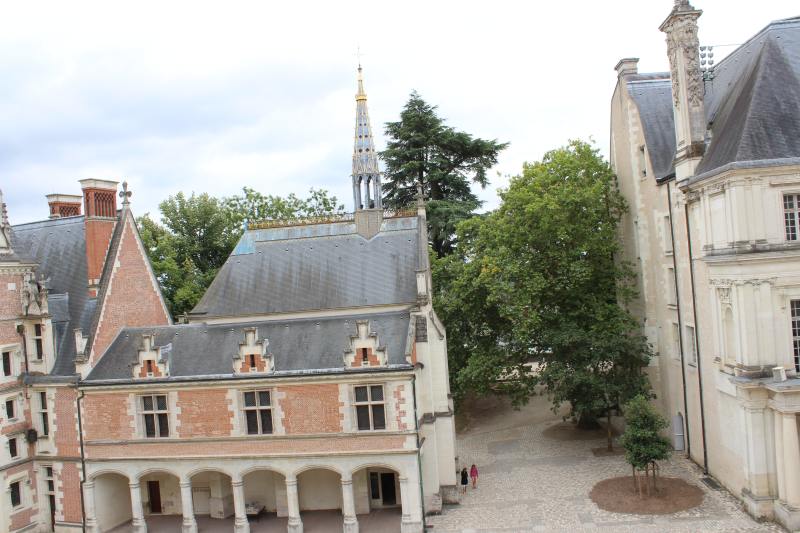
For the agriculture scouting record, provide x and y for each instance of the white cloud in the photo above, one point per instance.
(215, 96)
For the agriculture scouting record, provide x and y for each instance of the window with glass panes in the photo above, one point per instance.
(48, 477)
(11, 412)
(370, 410)
(15, 491)
(258, 412)
(791, 215)
(155, 415)
(7, 370)
(44, 416)
(13, 451)
(37, 339)
(795, 304)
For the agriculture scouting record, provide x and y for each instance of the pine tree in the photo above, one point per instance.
(423, 150)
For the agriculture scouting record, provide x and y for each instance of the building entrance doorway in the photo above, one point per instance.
(388, 494)
(382, 489)
(154, 493)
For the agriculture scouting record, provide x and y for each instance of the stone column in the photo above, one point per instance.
(88, 506)
(295, 524)
(411, 520)
(780, 468)
(791, 459)
(348, 506)
(189, 524)
(137, 512)
(241, 525)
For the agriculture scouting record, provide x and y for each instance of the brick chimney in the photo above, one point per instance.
(64, 205)
(100, 205)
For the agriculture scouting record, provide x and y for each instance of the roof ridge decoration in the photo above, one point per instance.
(366, 173)
(5, 228)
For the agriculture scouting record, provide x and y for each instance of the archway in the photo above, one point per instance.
(161, 500)
(212, 495)
(319, 492)
(265, 498)
(378, 502)
(112, 501)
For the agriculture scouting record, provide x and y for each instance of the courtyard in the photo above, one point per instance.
(536, 474)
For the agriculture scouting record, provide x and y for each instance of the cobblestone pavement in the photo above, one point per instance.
(530, 481)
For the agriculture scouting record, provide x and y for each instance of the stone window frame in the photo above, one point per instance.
(15, 360)
(369, 403)
(37, 336)
(672, 288)
(49, 479)
(43, 420)
(141, 415)
(794, 321)
(690, 335)
(16, 404)
(676, 340)
(244, 408)
(22, 480)
(15, 438)
(667, 228)
(791, 216)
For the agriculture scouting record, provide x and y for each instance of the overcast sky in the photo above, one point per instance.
(212, 97)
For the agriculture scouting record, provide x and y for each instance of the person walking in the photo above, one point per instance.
(464, 480)
(473, 474)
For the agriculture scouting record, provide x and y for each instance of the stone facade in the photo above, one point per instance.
(709, 234)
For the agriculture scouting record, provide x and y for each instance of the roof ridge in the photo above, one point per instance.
(48, 222)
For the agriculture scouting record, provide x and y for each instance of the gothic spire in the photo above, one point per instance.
(5, 228)
(366, 175)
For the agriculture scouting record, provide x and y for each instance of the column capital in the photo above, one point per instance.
(291, 481)
(237, 482)
(88, 484)
(134, 484)
(185, 483)
(347, 480)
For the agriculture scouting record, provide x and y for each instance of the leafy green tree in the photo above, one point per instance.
(533, 294)
(423, 151)
(642, 439)
(198, 232)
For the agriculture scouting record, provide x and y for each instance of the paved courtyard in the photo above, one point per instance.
(532, 480)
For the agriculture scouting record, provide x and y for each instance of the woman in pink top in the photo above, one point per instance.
(473, 473)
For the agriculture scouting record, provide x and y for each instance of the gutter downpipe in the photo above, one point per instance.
(419, 452)
(697, 343)
(680, 324)
(83, 461)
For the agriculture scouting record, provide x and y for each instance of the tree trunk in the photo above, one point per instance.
(587, 420)
(608, 431)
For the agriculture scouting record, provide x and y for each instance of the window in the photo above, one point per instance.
(11, 413)
(672, 294)
(676, 341)
(795, 304)
(148, 364)
(16, 494)
(12, 447)
(370, 412)
(48, 477)
(791, 215)
(7, 371)
(258, 412)
(156, 416)
(43, 413)
(37, 340)
(691, 347)
(667, 235)
(364, 355)
(251, 359)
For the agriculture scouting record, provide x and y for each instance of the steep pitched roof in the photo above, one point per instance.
(315, 267)
(59, 247)
(752, 105)
(297, 346)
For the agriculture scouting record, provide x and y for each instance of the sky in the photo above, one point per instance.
(212, 97)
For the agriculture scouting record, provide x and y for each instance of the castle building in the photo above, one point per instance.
(708, 158)
(309, 383)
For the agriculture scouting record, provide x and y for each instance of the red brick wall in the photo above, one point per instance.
(132, 298)
(247, 447)
(69, 499)
(105, 416)
(154, 369)
(204, 413)
(372, 358)
(311, 408)
(66, 422)
(98, 237)
(261, 364)
(26, 515)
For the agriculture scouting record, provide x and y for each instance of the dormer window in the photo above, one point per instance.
(251, 359)
(365, 355)
(149, 367)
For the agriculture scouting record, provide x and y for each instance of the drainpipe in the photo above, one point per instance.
(680, 323)
(419, 457)
(697, 343)
(83, 461)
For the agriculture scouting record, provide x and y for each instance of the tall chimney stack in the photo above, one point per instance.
(64, 205)
(100, 205)
(688, 92)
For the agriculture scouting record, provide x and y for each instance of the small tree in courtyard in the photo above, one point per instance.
(642, 441)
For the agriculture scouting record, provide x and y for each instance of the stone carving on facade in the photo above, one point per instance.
(722, 283)
(253, 354)
(724, 295)
(682, 41)
(34, 295)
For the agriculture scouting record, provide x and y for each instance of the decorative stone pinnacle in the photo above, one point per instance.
(125, 194)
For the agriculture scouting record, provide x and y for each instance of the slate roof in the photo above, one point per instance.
(315, 267)
(59, 247)
(752, 105)
(299, 346)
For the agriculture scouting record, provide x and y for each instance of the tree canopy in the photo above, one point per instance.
(534, 294)
(422, 150)
(196, 234)
(642, 439)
